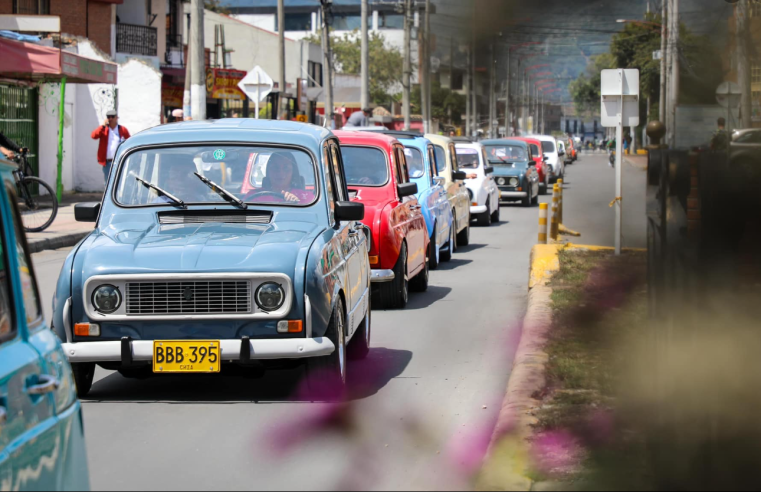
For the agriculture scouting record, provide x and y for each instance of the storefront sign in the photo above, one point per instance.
(84, 68)
(222, 83)
(172, 95)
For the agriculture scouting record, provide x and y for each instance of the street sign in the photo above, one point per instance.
(728, 95)
(658, 55)
(257, 85)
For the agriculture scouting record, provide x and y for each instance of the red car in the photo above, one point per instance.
(377, 175)
(541, 163)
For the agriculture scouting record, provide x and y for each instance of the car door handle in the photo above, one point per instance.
(47, 384)
(3, 416)
(353, 233)
(415, 207)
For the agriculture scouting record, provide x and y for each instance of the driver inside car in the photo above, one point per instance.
(179, 180)
(282, 178)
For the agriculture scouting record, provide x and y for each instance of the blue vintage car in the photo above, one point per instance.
(183, 274)
(432, 196)
(42, 445)
(514, 170)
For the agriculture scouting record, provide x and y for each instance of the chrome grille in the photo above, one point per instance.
(206, 218)
(189, 297)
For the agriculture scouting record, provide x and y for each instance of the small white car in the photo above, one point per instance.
(551, 151)
(483, 190)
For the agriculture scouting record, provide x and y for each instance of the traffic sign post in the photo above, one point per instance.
(257, 85)
(620, 107)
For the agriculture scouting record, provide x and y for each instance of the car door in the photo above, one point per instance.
(31, 449)
(410, 215)
(443, 169)
(491, 184)
(440, 200)
(462, 202)
(353, 247)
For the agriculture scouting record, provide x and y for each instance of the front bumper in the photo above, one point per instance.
(513, 194)
(142, 350)
(381, 276)
(477, 210)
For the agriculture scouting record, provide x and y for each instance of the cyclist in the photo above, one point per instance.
(8, 147)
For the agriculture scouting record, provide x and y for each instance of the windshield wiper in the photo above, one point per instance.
(160, 191)
(222, 192)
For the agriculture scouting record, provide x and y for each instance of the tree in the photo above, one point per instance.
(215, 6)
(446, 104)
(585, 90)
(385, 63)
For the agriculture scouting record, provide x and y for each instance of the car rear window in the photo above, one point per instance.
(415, 162)
(467, 158)
(364, 166)
(535, 150)
(548, 147)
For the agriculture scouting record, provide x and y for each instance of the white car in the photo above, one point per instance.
(483, 190)
(550, 150)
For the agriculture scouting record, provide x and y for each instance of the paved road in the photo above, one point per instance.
(417, 419)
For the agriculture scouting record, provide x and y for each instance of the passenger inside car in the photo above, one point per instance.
(415, 162)
(178, 178)
(282, 178)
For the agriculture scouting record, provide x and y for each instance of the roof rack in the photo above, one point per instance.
(393, 133)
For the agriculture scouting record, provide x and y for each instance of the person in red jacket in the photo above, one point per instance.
(110, 134)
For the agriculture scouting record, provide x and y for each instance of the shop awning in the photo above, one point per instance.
(33, 62)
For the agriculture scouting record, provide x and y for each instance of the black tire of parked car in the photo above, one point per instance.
(326, 376)
(484, 220)
(544, 188)
(84, 373)
(395, 294)
(433, 260)
(535, 200)
(359, 347)
(447, 254)
(495, 216)
(526, 202)
(463, 237)
(420, 282)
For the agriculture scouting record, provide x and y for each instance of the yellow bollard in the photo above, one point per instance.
(543, 211)
(560, 202)
(555, 226)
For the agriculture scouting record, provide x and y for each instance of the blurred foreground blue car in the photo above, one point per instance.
(186, 275)
(42, 445)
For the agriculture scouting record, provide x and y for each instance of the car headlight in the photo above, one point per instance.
(106, 299)
(501, 181)
(270, 296)
(514, 181)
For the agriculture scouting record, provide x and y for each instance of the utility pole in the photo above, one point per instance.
(428, 86)
(407, 75)
(492, 102)
(327, 65)
(468, 92)
(742, 14)
(674, 67)
(664, 46)
(281, 54)
(365, 95)
(424, 71)
(508, 119)
(198, 64)
(473, 73)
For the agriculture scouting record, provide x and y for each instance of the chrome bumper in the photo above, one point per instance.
(513, 194)
(142, 350)
(477, 209)
(381, 276)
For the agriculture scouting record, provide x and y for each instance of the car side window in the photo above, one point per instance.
(484, 157)
(403, 164)
(30, 292)
(398, 167)
(432, 163)
(340, 190)
(441, 158)
(453, 156)
(328, 166)
(7, 327)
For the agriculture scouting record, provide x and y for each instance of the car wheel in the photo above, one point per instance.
(395, 294)
(84, 373)
(447, 254)
(463, 238)
(526, 202)
(535, 200)
(326, 376)
(433, 253)
(496, 214)
(454, 229)
(484, 220)
(359, 347)
(420, 282)
(544, 189)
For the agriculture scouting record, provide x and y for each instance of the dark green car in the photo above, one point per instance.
(514, 170)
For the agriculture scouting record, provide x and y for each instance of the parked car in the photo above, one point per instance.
(42, 444)
(542, 168)
(457, 192)
(746, 147)
(514, 170)
(377, 176)
(484, 194)
(564, 153)
(554, 158)
(181, 275)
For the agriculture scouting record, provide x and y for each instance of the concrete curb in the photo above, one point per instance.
(65, 241)
(528, 375)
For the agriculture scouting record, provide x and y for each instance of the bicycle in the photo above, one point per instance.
(38, 210)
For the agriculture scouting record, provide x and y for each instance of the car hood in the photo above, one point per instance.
(509, 171)
(130, 248)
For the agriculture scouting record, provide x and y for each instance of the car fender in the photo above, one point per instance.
(325, 279)
(390, 238)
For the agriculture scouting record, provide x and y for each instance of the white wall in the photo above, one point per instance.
(49, 104)
(139, 96)
(261, 21)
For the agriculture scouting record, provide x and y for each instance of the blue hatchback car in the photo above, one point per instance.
(432, 196)
(42, 445)
(183, 274)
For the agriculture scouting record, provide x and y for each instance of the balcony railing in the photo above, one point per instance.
(136, 40)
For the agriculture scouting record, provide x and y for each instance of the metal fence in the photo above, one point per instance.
(136, 40)
(18, 119)
(31, 7)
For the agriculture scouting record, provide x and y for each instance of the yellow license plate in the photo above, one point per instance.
(171, 356)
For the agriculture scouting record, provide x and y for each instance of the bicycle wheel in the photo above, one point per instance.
(37, 212)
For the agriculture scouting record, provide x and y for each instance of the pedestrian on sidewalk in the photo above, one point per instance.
(360, 119)
(110, 134)
(720, 140)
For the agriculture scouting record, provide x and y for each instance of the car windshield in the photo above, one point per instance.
(258, 175)
(364, 166)
(441, 158)
(467, 158)
(415, 162)
(535, 150)
(548, 147)
(505, 154)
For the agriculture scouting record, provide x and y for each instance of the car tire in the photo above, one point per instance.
(420, 282)
(484, 220)
(433, 259)
(495, 216)
(84, 373)
(395, 294)
(527, 200)
(447, 254)
(463, 237)
(326, 376)
(535, 200)
(359, 347)
(454, 228)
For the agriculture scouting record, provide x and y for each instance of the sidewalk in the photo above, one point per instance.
(638, 161)
(65, 230)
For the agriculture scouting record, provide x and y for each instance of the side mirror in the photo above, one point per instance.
(406, 189)
(87, 212)
(532, 163)
(459, 176)
(439, 180)
(489, 169)
(348, 211)
(545, 158)
(561, 153)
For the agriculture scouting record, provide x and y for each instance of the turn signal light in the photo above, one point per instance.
(374, 260)
(475, 204)
(87, 330)
(520, 188)
(290, 326)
